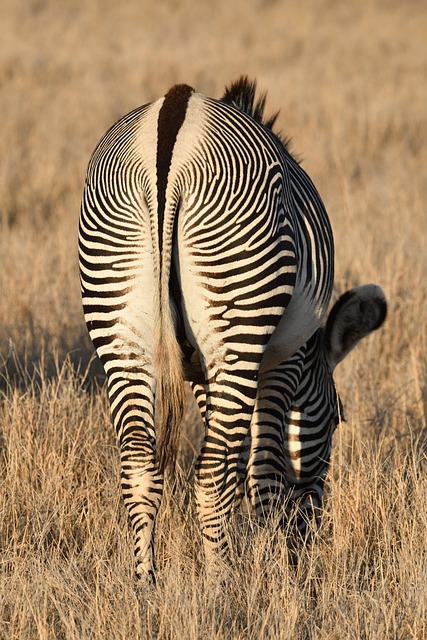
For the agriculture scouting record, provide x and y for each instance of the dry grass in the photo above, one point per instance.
(350, 79)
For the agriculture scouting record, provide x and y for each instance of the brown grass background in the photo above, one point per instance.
(350, 81)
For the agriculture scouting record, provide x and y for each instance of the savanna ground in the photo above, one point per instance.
(350, 80)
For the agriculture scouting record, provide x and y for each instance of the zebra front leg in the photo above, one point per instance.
(304, 516)
(307, 448)
(267, 467)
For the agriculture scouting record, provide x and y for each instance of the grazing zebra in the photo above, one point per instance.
(206, 253)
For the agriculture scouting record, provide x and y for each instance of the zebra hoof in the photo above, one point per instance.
(146, 578)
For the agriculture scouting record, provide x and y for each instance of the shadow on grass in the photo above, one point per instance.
(32, 365)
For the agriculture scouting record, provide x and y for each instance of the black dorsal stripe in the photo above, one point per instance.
(171, 117)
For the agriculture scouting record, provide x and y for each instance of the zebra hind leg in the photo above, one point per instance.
(142, 487)
(132, 405)
(199, 392)
(219, 463)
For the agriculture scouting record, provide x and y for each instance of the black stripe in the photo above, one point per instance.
(171, 117)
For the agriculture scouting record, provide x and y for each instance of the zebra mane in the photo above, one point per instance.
(242, 94)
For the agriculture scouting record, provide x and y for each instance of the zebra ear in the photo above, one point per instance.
(356, 313)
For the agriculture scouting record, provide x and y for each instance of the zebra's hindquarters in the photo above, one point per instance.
(214, 187)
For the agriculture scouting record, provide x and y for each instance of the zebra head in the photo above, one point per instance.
(316, 409)
(354, 316)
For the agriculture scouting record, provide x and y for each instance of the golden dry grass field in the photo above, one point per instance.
(350, 80)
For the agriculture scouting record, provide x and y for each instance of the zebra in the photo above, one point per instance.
(206, 254)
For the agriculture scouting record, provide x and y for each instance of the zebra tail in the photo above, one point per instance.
(171, 393)
(170, 385)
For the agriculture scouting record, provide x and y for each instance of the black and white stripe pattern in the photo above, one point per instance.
(200, 236)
